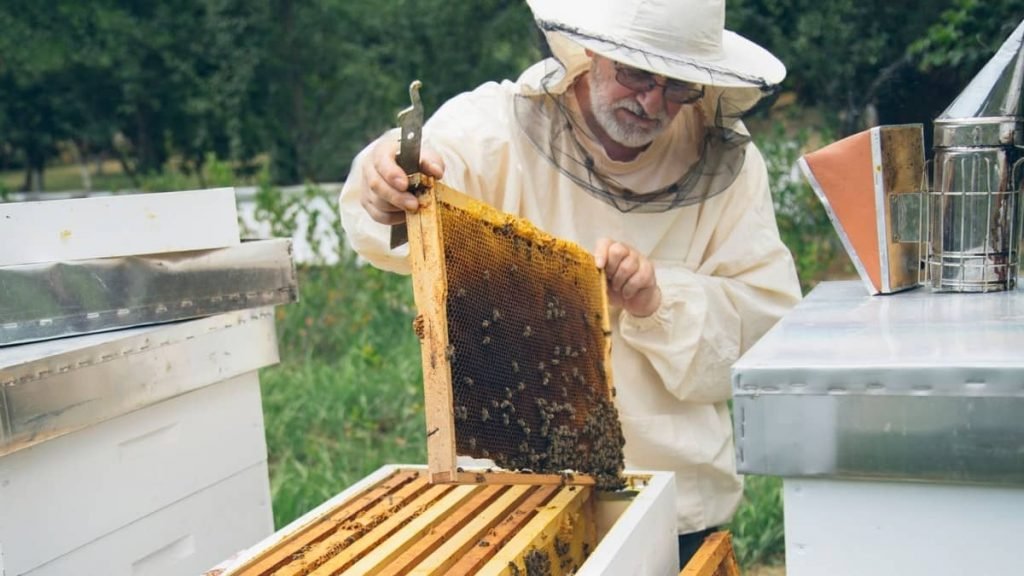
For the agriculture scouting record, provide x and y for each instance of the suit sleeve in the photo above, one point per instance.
(710, 316)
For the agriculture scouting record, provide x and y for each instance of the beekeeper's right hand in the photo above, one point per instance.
(386, 198)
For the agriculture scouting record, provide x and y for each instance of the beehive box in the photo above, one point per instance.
(515, 339)
(395, 522)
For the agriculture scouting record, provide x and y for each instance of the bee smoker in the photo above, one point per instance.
(973, 207)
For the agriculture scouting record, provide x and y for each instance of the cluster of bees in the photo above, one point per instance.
(538, 563)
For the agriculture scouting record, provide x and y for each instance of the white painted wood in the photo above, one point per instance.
(854, 528)
(640, 538)
(60, 495)
(107, 226)
(183, 538)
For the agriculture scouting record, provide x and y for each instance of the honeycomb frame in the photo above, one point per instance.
(566, 418)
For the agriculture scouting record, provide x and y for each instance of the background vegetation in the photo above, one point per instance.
(302, 84)
(113, 94)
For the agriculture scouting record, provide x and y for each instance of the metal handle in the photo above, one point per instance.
(410, 123)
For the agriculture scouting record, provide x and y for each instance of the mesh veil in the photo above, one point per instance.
(555, 132)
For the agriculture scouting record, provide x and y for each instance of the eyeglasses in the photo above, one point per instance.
(676, 91)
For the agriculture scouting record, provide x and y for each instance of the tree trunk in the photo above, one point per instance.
(127, 167)
(287, 160)
(83, 165)
(35, 160)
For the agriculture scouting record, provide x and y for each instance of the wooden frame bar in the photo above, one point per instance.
(570, 513)
(714, 557)
(426, 255)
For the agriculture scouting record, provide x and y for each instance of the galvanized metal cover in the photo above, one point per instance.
(56, 299)
(917, 385)
(51, 388)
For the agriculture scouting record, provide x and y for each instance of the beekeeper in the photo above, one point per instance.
(629, 141)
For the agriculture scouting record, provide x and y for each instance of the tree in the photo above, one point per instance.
(312, 81)
(343, 68)
(37, 108)
(895, 62)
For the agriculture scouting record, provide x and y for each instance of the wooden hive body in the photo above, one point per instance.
(515, 342)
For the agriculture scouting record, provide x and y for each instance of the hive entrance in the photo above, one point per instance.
(515, 341)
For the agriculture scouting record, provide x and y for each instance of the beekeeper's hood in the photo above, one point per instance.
(680, 39)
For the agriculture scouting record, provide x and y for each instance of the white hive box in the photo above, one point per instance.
(108, 226)
(855, 528)
(895, 423)
(634, 529)
(139, 451)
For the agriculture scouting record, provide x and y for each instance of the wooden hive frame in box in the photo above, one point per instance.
(403, 525)
(515, 342)
(715, 557)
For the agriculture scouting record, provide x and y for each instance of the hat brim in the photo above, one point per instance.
(742, 63)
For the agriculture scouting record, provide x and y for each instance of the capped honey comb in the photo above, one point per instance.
(515, 343)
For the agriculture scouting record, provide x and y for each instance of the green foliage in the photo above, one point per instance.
(213, 173)
(167, 181)
(218, 173)
(803, 222)
(967, 34)
(877, 61)
(346, 397)
(838, 51)
(310, 82)
(757, 530)
(285, 213)
(143, 80)
(344, 69)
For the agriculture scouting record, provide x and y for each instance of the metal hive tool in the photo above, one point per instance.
(515, 343)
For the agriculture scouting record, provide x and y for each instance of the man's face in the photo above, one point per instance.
(629, 117)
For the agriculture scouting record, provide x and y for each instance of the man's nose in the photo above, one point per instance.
(652, 101)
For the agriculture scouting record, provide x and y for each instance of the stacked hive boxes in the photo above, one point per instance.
(131, 428)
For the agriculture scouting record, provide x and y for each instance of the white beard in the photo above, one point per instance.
(623, 132)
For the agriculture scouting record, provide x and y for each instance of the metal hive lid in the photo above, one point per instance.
(990, 110)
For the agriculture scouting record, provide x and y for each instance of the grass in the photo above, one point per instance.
(757, 529)
(346, 397)
(69, 177)
(331, 423)
(109, 175)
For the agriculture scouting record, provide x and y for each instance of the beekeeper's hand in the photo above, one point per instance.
(632, 284)
(385, 197)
